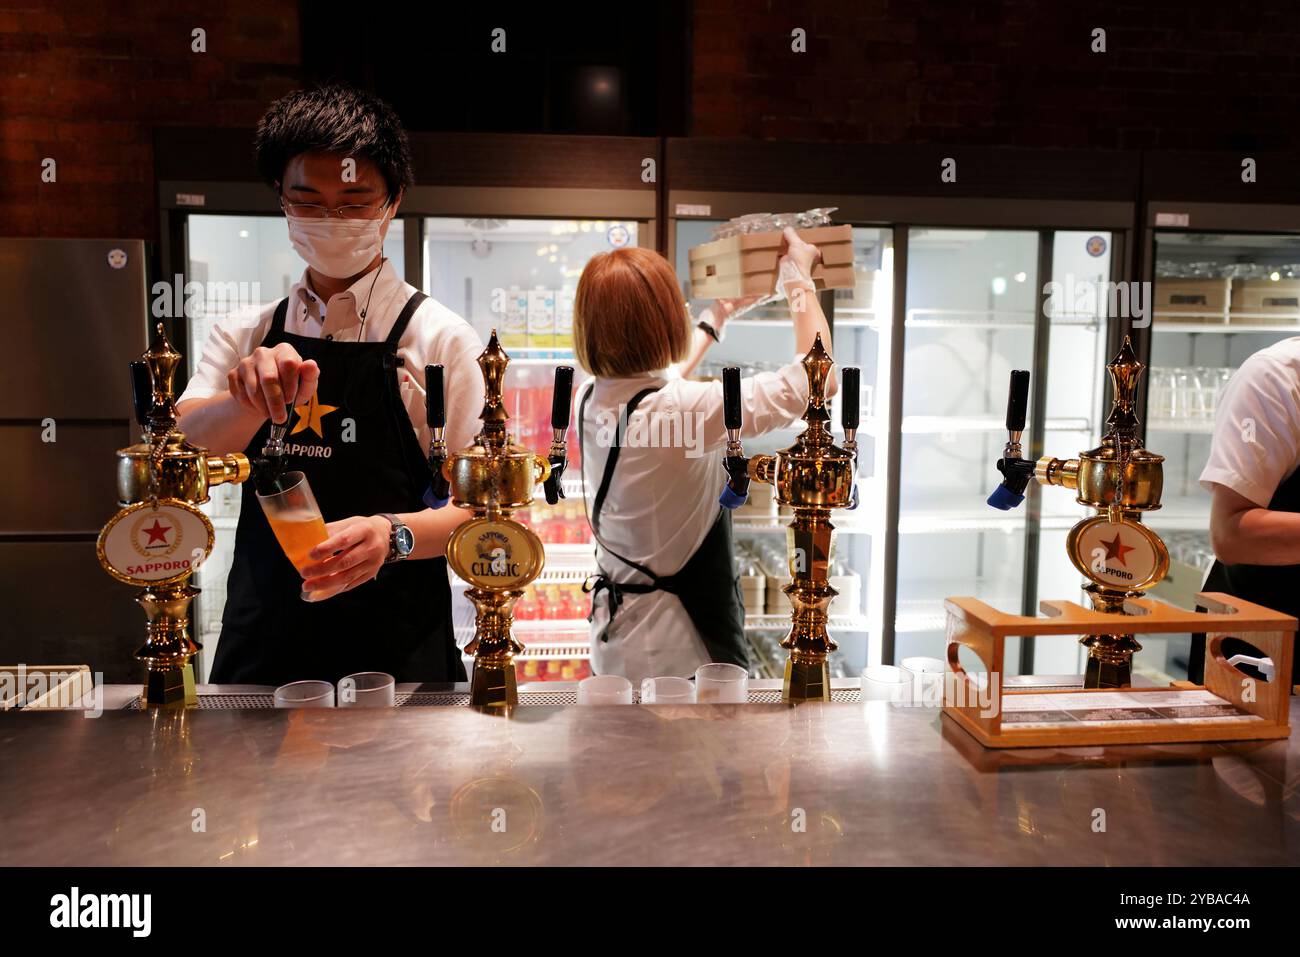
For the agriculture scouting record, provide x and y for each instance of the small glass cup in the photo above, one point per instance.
(305, 694)
(924, 680)
(604, 689)
(721, 683)
(667, 690)
(367, 689)
(884, 683)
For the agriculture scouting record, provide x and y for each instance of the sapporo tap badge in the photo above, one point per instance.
(497, 554)
(1124, 554)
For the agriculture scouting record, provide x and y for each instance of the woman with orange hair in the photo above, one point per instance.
(667, 596)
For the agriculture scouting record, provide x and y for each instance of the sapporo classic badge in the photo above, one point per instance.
(495, 553)
(155, 544)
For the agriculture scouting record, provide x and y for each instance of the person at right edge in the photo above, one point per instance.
(667, 597)
(1254, 477)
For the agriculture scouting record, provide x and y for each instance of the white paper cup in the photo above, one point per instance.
(367, 689)
(719, 683)
(884, 683)
(604, 689)
(667, 690)
(304, 694)
(924, 680)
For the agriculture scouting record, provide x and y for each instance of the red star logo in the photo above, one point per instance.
(1116, 549)
(158, 533)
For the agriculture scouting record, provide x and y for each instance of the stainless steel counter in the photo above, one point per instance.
(869, 783)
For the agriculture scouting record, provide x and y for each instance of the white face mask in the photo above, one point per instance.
(338, 248)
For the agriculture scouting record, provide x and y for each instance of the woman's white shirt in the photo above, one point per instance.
(663, 500)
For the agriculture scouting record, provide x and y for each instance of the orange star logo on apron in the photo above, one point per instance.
(309, 416)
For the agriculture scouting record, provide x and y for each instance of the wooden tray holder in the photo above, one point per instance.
(746, 265)
(984, 630)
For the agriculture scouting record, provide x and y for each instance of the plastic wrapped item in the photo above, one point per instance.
(769, 222)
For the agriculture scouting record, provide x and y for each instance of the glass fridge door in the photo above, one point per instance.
(238, 262)
(971, 307)
(763, 339)
(1217, 298)
(519, 276)
(1076, 377)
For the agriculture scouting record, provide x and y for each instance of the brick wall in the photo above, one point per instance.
(1177, 74)
(84, 83)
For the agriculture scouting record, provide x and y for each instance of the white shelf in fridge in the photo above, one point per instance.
(991, 319)
(844, 524)
(929, 614)
(841, 321)
(782, 622)
(1181, 427)
(1224, 328)
(942, 424)
(987, 520)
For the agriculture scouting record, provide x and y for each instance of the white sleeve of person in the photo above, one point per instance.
(1256, 443)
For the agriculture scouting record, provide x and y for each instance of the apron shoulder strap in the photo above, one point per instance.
(611, 462)
(404, 319)
(281, 313)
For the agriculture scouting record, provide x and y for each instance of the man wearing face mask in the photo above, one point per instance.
(345, 351)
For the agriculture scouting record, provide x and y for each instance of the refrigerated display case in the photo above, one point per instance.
(763, 340)
(942, 311)
(518, 277)
(1217, 298)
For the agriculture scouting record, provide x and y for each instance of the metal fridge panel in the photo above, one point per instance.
(78, 311)
(68, 485)
(61, 608)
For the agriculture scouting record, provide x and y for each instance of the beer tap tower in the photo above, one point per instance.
(813, 476)
(159, 536)
(1119, 556)
(492, 478)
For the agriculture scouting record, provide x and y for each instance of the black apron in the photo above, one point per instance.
(708, 585)
(366, 461)
(1273, 586)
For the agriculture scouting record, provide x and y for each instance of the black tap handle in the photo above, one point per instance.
(435, 406)
(731, 408)
(1018, 400)
(851, 398)
(141, 392)
(562, 400)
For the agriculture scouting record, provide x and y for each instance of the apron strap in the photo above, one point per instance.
(611, 462)
(281, 312)
(404, 318)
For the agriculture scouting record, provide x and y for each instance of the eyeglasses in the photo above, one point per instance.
(316, 211)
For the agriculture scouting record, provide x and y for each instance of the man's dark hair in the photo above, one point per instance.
(333, 119)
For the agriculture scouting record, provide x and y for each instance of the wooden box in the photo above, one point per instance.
(1192, 300)
(43, 686)
(746, 265)
(1230, 706)
(1263, 300)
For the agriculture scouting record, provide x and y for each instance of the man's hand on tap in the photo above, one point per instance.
(269, 378)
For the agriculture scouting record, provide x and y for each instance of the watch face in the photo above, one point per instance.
(405, 539)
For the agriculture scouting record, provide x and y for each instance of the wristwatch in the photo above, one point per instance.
(709, 331)
(400, 542)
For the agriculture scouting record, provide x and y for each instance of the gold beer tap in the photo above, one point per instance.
(813, 476)
(492, 478)
(1120, 556)
(159, 536)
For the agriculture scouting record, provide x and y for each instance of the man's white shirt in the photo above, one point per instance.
(1256, 443)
